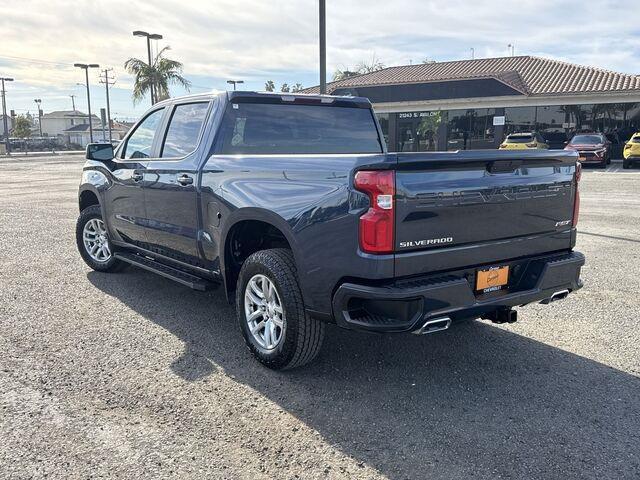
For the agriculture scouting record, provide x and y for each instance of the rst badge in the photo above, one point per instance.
(426, 243)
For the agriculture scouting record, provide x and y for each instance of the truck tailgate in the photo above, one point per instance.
(478, 207)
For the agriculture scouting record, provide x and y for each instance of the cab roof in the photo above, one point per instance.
(273, 97)
(297, 98)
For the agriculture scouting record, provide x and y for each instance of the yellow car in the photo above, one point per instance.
(631, 151)
(524, 141)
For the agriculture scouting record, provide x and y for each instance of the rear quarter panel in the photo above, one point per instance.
(309, 198)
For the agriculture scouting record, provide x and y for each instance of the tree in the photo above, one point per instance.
(297, 87)
(343, 74)
(361, 69)
(285, 87)
(22, 127)
(374, 66)
(269, 86)
(161, 73)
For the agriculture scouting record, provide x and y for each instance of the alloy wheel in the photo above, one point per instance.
(96, 242)
(263, 312)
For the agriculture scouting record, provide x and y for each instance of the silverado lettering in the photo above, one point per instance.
(424, 243)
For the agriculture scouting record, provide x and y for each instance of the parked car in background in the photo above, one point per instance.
(524, 141)
(592, 148)
(631, 151)
(555, 140)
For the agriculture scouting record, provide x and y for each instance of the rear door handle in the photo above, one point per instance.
(184, 179)
(137, 176)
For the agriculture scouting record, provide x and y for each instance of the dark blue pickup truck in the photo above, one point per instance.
(293, 204)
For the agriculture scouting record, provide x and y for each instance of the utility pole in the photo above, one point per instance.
(4, 115)
(150, 36)
(108, 81)
(86, 67)
(73, 102)
(323, 47)
(512, 49)
(38, 103)
(473, 53)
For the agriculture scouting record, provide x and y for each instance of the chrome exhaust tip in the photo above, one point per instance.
(559, 295)
(432, 326)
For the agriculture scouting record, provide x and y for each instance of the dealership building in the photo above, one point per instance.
(473, 104)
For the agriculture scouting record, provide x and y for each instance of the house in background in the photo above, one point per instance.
(80, 134)
(9, 125)
(58, 123)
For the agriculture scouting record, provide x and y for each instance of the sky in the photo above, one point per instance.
(256, 40)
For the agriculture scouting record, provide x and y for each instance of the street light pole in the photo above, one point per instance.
(234, 82)
(38, 103)
(4, 115)
(150, 36)
(323, 47)
(86, 68)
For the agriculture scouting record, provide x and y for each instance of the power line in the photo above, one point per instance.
(35, 60)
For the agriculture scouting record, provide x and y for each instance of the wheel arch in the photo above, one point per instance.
(264, 229)
(88, 196)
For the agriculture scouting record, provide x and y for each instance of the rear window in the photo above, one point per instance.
(636, 139)
(587, 140)
(252, 128)
(555, 137)
(520, 138)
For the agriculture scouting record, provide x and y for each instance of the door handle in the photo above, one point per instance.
(184, 179)
(137, 176)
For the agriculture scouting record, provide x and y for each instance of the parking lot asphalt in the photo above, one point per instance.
(133, 376)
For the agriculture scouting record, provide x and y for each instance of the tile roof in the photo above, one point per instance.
(530, 75)
(83, 127)
(67, 113)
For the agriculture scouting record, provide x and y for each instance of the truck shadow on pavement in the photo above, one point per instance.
(473, 401)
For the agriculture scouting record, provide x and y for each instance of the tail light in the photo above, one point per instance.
(376, 225)
(576, 205)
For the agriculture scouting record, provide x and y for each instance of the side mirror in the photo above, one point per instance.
(101, 152)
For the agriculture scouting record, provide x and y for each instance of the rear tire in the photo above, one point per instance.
(626, 165)
(268, 297)
(93, 242)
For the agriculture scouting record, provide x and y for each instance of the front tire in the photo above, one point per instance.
(93, 242)
(275, 326)
(626, 165)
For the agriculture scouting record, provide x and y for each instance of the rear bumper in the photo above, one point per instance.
(405, 305)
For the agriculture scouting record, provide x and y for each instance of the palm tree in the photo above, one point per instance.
(161, 73)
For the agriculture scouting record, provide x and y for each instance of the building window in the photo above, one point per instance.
(383, 119)
(519, 120)
(471, 129)
(418, 131)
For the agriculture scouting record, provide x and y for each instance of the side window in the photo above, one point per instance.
(140, 142)
(184, 129)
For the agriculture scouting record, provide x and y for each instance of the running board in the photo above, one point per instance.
(191, 281)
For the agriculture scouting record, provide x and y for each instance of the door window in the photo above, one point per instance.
(184, 130)
(141, 140)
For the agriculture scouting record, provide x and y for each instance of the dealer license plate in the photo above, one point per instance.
(493, 278)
